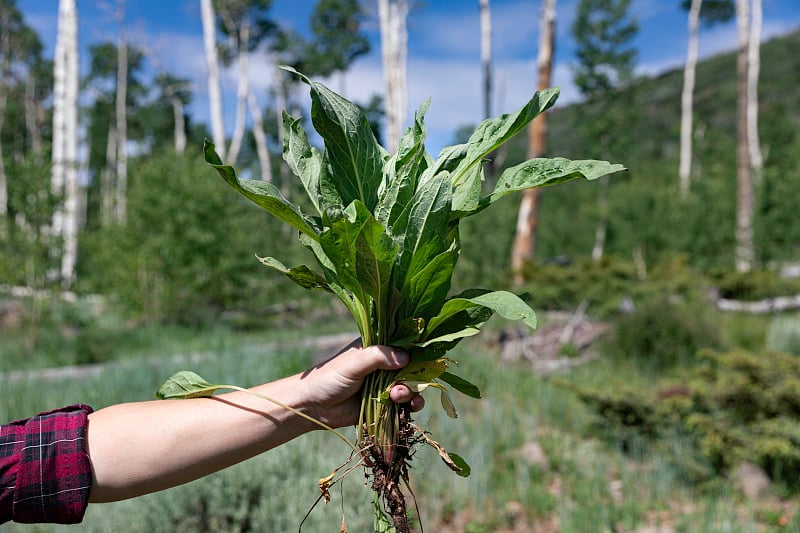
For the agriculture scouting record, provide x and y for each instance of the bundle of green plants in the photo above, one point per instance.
(384, 233)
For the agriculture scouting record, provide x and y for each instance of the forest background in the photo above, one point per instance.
(160, 259)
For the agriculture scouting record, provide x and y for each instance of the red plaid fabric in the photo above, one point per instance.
(45, 474)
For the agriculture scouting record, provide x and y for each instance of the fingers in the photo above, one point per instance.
(400, 393)
(359, 362)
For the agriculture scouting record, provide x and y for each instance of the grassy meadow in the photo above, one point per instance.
(539, 461)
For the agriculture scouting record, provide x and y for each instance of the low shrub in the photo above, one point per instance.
(733, 407)
(755, 285)
(661, 334)
(612, 285)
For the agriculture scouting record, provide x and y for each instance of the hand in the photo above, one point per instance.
(334, 385)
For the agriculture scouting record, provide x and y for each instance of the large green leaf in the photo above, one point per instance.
(544, 172)
(402, 170)
(355, 157)
(307, 163)
(422, 228)
(264, 194)
(489, 135)
(505, 304)
(302, 275)
(354, 305)
(363, 254)
(423, 293)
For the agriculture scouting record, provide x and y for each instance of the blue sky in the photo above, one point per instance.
(443, 58)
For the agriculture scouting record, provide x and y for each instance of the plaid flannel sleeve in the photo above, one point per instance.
(45, 474)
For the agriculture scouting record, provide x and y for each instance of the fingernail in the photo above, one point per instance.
(401, 358)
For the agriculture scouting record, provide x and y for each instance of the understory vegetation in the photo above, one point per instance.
(649, 433)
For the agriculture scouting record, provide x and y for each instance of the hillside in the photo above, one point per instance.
(645, 211)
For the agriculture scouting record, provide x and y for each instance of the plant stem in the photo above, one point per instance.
(378, 419)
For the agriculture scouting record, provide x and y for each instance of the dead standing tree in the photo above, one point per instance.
(524, 246)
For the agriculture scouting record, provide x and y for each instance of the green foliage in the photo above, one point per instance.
(660, 335)
(26, 254)
(783, 334)
(185, 253)
(756, 285)
(735, 407)
(384, 230)
(611, 284)
(644, 209)
(338, 41)
(603, 34)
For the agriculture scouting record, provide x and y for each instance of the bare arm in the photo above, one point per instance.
(143, 447)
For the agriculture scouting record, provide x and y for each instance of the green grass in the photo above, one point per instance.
(61, 334)
(590, 484)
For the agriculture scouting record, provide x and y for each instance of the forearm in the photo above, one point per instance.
(138, 448)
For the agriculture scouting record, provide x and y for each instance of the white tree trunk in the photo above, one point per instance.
(241, 93)
(687, 98)
(753, 68)
(180, 124)
(394, 50)
(486, 56)
(121, 192)
(69, 257)
(261, 139)
(59, 104)
(214, 94)
(745, 252)
(524, 247)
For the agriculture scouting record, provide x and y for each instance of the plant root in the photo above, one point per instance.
(387, 476)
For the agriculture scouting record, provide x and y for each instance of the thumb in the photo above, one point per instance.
(363, 361)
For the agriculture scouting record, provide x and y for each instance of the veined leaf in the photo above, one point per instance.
(184, 385)
(355, 306)
(448, 160)
(503, 303)
(264, 194)
(402, 170)
(489, 135)
(306, 162)
(423, 227)
(355, 157)
(422, 370)
(302, 275)
(545, 172)
(467, 195)
(424, 292)
(461, 385)
(363, 255)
